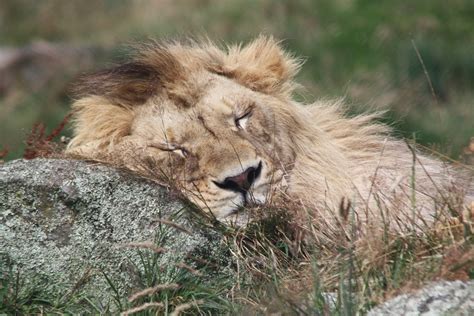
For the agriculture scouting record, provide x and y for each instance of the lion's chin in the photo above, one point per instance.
(238, 215)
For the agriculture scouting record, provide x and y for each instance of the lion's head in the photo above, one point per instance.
(218, 122)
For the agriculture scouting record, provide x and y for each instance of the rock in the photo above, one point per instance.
(64, 225)
(441, 298)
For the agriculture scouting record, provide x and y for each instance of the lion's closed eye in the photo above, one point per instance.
(170, 147)
(241, 121)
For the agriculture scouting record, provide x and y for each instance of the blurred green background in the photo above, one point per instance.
(375, 54)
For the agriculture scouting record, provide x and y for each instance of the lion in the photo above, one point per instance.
(224, 125)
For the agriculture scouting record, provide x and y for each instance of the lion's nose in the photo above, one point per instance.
(241, 182)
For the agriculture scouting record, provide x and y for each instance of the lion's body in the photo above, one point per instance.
(206, 118)
(383, 177)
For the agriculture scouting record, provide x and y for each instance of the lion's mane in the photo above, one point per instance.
(329, 156)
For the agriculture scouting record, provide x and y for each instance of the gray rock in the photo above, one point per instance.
(441, 298)
(63, 224)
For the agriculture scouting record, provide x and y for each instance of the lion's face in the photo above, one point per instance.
(215, 122)
(225, 151)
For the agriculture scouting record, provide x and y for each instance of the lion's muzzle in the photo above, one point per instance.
(242, 182)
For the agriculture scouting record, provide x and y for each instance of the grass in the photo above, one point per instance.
(18, 297)
(360, 272)
(361, 50)
(179, 286)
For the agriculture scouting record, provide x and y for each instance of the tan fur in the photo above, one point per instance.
(170, 113)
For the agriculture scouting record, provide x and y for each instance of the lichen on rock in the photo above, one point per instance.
(65, 224)
(436, 298)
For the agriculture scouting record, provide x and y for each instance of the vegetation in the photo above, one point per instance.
(413, 58)
(287, 265)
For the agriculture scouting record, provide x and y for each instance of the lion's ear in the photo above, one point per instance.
(263, 66)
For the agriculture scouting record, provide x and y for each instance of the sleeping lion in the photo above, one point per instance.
(223, 126)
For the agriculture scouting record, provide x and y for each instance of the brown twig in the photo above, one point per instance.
(141, 308)
(38, 144)
(174, 225)
(184, 307)
(151, 290)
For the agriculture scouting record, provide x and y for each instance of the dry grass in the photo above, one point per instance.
(300, 261)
